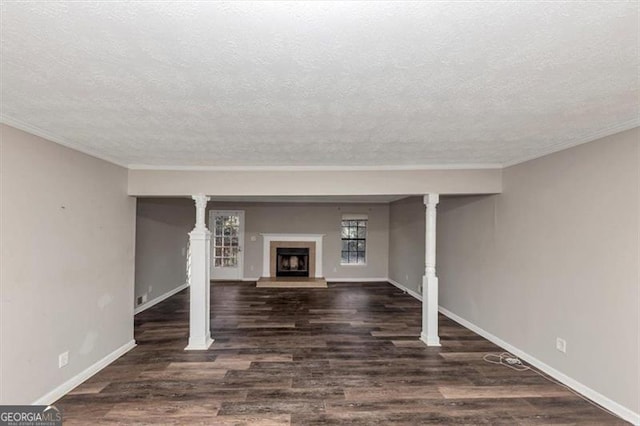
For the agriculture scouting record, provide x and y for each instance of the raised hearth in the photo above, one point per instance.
(291, 282)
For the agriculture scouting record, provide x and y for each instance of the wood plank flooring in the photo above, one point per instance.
(348, 354)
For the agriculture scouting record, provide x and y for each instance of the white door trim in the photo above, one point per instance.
(212, 215)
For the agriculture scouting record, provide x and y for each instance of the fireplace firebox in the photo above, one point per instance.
(292, 262)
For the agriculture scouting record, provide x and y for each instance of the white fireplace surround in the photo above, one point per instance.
(266, 249)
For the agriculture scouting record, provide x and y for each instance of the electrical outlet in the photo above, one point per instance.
(561, 345)
(406, 278)
(150, 289)
(63, 359)
(144, 298)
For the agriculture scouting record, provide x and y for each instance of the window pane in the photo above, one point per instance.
(362, 232)
(218, 262)
(218, 251)
(227, 241)
(353, 234)
(218, 241)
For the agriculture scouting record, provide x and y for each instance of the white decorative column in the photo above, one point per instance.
(429, 333)
(199, 310)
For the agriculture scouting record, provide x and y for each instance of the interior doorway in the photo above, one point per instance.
(227, 241)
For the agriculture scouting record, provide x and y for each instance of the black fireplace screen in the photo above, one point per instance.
(292, 262)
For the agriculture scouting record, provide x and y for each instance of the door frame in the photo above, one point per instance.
(212, 215)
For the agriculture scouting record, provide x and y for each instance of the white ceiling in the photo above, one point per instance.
(342, 84)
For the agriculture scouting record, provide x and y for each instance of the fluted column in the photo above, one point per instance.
(199, 305)
(429, 333)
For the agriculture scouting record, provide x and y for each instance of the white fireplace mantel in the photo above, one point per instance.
(266, 249)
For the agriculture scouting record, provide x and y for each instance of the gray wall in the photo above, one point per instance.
(162, 225)
(67, 250)
(315, 218)
(406, 242)
(555, 255)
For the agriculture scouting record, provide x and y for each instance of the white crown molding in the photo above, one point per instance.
(34, 130)
(313, 168)
(582, 389)
(591, 137)
(84, 375)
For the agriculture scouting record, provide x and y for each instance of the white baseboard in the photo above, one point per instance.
(78, 379)
(355, 280)
(159, 299)
(250, 279)
(405, 289)
(593, 395)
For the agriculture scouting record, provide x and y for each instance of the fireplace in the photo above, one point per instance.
(292, 262)
(273, 242)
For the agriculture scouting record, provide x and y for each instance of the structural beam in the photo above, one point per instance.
(199, 282)
(429, 333)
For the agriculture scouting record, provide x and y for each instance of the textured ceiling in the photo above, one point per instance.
(321, 83)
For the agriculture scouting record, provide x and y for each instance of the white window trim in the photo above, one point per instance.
(355, 216)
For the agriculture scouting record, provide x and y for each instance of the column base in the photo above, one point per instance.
(199, 346)
(430, 341)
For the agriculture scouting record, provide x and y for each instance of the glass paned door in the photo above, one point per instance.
(227, 228)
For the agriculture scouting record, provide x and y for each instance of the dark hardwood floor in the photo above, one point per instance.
(348, 354)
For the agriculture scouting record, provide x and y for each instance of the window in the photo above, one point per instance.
(354, 239)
